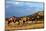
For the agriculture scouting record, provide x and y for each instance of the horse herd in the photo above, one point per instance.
(21, 20)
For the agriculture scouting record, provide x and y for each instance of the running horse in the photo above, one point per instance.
(12, 19)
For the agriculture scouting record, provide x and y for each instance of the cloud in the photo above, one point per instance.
(7, 6)
(22, 8)
(17, 3)
(31, 0)
(11, 0)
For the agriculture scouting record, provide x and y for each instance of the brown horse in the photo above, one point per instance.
(11, 19)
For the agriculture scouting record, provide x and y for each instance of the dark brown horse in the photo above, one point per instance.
(12, 19)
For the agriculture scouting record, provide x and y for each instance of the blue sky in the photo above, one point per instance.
(18, 9)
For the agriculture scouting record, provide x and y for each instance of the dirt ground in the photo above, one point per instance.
(25, 27)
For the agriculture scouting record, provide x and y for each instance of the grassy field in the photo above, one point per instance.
(37, 25)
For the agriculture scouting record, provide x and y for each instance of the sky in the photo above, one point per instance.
(18, 9)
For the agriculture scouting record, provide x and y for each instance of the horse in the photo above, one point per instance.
(11, 19)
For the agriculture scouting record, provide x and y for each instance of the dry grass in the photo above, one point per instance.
(37, 25)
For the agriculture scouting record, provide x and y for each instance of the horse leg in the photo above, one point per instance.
(14, 21)
(8, 22)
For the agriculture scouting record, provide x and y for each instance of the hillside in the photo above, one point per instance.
(34, 21)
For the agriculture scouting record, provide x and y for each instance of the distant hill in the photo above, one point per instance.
(39, 13)
(35, 15)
